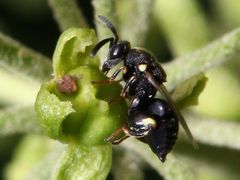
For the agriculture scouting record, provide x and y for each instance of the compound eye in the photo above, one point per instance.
(142, 67)
(116, 52)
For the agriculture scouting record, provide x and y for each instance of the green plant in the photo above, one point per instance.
(80, 124)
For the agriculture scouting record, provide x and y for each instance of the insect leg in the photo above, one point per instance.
(115, 137)
(112, 78)
(128, 83)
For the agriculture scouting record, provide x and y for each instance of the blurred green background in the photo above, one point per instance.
(169, 29)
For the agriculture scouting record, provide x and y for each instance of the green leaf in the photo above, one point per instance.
(105, 8)
(108, 9)
(28, 153)
(20, 60)
(176, 19)
(22, 68)
(45, 168)
(203, 59)
(67, 14)
(127, 165)
(173, 168)
(226, 11)
(223, 86)
(14, 120)
(209, 162)
(187, 93)
(219, 133)
(127, 12)
(23, 93)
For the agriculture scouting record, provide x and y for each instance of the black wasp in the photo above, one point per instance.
(152, 120)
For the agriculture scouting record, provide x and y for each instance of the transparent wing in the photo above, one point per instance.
(162, 89)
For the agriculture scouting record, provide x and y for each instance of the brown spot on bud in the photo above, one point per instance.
(67, 84)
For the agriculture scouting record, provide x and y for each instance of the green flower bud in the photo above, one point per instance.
(69, 107)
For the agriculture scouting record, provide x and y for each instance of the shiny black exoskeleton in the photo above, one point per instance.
(152, 120)
(140, 70)
(155, 122)
(140, 65)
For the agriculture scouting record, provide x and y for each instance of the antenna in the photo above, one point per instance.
(99, 45)
(110, 26)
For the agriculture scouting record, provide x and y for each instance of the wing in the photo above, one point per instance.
(162, 89)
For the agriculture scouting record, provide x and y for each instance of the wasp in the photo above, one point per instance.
(152, 120)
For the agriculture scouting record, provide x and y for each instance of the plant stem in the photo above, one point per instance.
(15, 120)
(203, 59)
(67, 14)
(21, 67)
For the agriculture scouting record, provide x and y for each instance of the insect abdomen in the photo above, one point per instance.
(163, 137)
